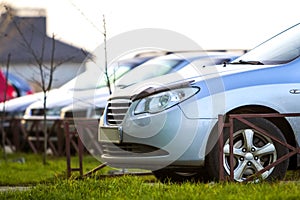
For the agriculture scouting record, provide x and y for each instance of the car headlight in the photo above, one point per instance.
(164, 100)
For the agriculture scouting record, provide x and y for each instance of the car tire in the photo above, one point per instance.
(253, 151)
(167, 175)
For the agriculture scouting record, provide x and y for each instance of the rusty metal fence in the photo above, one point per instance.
(243, 118)
(63, 138)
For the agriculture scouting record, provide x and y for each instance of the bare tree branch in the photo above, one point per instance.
(3, 111)
(105, 58)
(63, 61)
(27, 43)
(40, 65)
(46, 71)
(52, 63)
(88, 56)
(41, 60)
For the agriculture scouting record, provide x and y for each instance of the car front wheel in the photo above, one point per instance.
(252, 152)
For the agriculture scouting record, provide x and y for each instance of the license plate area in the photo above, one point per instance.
(110, 134)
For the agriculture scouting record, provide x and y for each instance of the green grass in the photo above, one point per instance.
(133, 187)
(33, 171)
(50, 182)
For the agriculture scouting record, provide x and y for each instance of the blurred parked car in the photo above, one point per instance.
(17, 106)
(7, 91)
(85, 89)
(170, 126)
(172, 62)
(21, 86)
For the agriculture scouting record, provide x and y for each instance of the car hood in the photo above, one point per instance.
(181, 78)
(62, 98)
(19, 104)
(97, 102)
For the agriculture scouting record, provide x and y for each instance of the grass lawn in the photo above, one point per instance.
(28, 169)
(133, 187)
(50, 182)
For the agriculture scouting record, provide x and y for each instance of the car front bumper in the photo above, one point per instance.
(156, 141)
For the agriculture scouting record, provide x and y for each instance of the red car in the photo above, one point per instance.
(7, 91)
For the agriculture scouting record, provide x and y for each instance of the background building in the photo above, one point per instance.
(21, 29)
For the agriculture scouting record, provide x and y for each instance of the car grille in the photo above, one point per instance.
(131, 149)
(116, 111)
(38, 112)
(70, 114)
(84, 113)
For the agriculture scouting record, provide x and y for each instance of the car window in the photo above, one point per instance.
(280, 49)
(114, 73)
(77, 83)
(148, 70)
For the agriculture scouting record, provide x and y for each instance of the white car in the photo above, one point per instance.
(82, 88)
(93, 107)
(170, 124)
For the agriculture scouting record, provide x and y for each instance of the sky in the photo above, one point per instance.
(212, 24)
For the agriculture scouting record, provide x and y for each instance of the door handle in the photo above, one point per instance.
(295, 91)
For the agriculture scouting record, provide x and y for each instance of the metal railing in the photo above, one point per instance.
(63, 138)
(243, 118)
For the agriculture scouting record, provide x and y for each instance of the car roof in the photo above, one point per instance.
(192, 55)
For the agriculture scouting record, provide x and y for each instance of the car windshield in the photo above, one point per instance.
(85, 81)
(151, 69)
(114, 73)
(280, 49)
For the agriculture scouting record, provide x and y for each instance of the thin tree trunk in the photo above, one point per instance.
(105, 58)
(45, 129)
(3, 111)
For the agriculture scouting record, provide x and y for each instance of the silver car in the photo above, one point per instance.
(170, 124)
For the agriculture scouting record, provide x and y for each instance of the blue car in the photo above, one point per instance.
(169, 124)
(22, 86)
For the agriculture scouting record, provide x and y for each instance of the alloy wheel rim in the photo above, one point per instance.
(252, 152)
